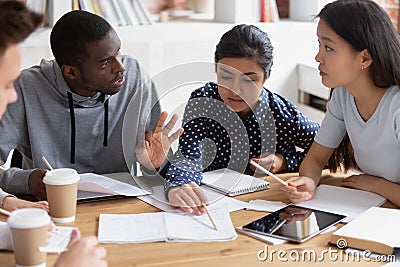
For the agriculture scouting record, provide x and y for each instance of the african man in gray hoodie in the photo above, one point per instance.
(72, 110)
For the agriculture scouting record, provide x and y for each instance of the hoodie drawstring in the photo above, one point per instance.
(73, 132)
(105, 140)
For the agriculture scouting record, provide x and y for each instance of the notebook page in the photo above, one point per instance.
(232, 182)
(342, 200)
(189, 228)
(131, 228)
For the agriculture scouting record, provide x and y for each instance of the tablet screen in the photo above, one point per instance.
(294, 223)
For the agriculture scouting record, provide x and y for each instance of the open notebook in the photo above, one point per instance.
(165, 226)
(233, 183)
(376, 230)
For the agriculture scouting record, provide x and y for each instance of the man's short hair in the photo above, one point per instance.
(72, 32)
(16, 23)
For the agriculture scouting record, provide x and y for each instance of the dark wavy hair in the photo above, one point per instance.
(16, 23)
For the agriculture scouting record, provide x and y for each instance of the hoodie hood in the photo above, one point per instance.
(52, 72)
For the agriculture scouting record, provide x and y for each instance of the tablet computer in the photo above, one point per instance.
(293, 223)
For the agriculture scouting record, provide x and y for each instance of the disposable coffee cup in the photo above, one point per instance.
(29, 229)
(62, 189)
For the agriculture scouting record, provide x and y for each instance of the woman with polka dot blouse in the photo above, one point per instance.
(229, 123)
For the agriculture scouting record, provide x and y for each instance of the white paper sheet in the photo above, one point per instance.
(158, 200)
(341, 200)
(59, 242)
(265, 205)
(186, 228)
(100, 184)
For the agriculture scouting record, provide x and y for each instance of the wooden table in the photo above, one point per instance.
(240, 252)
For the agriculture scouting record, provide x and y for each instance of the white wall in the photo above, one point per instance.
(162, 46)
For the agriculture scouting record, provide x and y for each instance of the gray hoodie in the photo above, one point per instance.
(74, 131)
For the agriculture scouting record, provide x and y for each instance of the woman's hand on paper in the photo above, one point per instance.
(82, 252)
(11, 203)
(272, 162)
(299, 189)
(189, 197)
(153, 149)
(36, 185)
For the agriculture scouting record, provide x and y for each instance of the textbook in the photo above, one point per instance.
(233, 183)
(165, 226)
(376, 230)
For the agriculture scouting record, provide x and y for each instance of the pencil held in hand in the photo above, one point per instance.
(47, 163)
(209, 216)
(5, 212)
(267, 172)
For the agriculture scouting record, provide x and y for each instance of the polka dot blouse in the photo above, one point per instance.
(215, 137)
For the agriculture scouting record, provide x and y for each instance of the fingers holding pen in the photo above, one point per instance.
(189, 197)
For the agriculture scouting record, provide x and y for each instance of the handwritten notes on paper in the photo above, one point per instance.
(163, 226)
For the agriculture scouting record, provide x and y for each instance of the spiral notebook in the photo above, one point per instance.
(233, 183)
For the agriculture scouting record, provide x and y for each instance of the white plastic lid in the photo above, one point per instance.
(61, 176)
(28, 218)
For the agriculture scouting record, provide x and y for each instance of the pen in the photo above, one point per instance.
(268, 172)
(209, 216)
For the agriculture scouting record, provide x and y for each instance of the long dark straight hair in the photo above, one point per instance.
(364, 25)
(343, 156)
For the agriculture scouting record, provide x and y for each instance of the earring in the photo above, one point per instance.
(362, 68)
